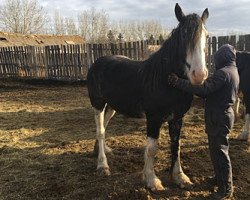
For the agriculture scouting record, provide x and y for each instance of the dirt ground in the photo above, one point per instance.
(47, 135)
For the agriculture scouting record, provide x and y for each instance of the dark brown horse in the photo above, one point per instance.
(137, 88)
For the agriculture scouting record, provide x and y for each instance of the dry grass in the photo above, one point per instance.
(46, 141)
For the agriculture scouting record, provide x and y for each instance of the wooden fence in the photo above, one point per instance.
(72, 62)
(67, 62)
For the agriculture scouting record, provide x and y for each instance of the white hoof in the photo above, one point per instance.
(181, 180)
(154, 184)
(103, 171)
(243, 136)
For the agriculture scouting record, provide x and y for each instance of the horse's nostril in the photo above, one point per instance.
(193, 73)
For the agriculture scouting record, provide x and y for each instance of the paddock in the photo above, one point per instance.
(47, 134)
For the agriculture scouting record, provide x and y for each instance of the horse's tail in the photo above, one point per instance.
(94, 79)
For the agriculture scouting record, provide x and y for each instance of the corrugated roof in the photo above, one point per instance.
(16, 39)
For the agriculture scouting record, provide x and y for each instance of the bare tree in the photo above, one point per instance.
(94, 25)
(139, 30)
(59, 26)
(154, 28)
(70, 26)
(23, 16)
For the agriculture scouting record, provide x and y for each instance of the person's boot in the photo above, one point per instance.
(221, 196)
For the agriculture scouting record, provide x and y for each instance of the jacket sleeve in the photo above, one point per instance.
(212, 84)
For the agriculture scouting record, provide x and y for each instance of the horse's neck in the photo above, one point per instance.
(166, 59)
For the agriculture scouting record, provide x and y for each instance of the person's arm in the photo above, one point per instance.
(212, 84)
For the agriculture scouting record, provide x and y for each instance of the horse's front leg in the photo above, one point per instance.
(245, 135)
(176, 173)
(152, 181)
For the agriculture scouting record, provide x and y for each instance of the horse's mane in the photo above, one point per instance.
(171, 56)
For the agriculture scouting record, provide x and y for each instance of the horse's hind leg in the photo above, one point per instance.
(102, 162)
(108, 114)
(245, 133)
(176, 173)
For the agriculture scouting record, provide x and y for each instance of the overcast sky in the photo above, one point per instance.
(226, 16)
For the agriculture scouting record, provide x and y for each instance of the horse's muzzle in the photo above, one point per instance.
(197, 77)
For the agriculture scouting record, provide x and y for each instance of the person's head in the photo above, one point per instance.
(225, 56)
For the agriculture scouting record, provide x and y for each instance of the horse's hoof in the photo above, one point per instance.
(103, 171)
(243, 136)
(186, 185)
(157, 188)
(182, 180)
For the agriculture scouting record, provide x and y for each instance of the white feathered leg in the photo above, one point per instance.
(152, 181)
(245, 133)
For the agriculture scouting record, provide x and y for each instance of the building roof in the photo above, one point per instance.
(16, 39)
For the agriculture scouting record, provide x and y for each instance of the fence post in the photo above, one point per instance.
(47, 59)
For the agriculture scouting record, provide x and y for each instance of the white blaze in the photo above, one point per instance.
(197, 59)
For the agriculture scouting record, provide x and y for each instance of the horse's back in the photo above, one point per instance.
(115, 80)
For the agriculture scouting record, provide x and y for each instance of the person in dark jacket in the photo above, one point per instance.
(220, 93)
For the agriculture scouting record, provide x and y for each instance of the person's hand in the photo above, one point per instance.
(172, 79)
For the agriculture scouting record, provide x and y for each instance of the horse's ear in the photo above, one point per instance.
(178, 12)
(205, 15)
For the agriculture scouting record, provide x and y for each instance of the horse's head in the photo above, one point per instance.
(192, 40)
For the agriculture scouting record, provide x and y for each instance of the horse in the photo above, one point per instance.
(243, 65)
(140, 89)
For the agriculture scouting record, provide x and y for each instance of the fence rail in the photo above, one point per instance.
(71, 62)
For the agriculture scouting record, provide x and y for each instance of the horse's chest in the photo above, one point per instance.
(168, 102)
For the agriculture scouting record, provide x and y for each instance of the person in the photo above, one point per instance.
(220, 93)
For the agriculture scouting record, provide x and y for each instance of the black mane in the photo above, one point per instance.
(171, 56)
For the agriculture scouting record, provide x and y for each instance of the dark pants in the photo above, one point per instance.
(218, 147)
(218, 126)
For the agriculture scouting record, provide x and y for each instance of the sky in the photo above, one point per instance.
(225, 16)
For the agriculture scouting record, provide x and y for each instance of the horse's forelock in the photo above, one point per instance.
(190, 30)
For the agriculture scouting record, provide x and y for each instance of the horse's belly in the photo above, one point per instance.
(126, 104)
